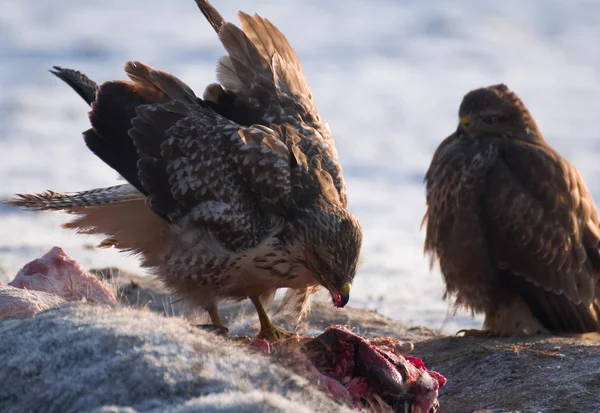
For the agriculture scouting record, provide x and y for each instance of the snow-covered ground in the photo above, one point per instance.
(387, 76)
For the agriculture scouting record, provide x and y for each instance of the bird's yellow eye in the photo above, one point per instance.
(464, 121)
(346, 288)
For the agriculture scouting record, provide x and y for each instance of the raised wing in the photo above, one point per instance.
(185, 162)
(195, 163)
(262, 82)
(80, 83)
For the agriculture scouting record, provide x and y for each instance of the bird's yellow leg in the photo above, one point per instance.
(477, 333)
(215, 317)
(217, 326)
(267, 330)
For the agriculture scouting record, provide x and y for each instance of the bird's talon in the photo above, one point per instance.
(213, 328)
(272, 334)
(240, 339)
(475, 333)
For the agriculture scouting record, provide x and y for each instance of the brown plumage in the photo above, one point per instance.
(230, 196)
(511, 222)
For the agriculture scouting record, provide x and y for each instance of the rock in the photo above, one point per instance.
(546, 373)
(17, 302)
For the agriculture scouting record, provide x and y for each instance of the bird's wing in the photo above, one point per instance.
(80, 83)
(185, 162)
(194, 163)
(262, 83)
(541, 226)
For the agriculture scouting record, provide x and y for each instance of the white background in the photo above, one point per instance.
(387, 76)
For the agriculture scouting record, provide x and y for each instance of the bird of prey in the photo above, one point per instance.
(511, 223)
(229, 196)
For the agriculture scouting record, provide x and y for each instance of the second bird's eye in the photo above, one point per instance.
(489, 119)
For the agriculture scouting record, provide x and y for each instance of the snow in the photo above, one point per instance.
(387, 76)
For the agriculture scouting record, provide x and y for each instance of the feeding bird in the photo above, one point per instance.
(512, 223)
(229, 196)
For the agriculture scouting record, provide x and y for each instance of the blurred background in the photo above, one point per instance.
(387, 75)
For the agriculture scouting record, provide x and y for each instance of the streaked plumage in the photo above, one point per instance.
(511, 222)
(230, 196)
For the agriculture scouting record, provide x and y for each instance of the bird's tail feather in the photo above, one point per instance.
(51, 200)
(129, 226)
(119, 213)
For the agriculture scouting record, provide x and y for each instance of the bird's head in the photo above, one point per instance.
(332, 241)
(496, 111)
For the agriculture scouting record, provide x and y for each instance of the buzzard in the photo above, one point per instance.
(229, 196)
(511, 222)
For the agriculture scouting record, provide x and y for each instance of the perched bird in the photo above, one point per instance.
(230, 196)
(512, 223)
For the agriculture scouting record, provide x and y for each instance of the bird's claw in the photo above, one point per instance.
(476, 333)
(272, 334)
(213, 328)
(239, 339)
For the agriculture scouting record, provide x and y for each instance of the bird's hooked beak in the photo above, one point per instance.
(340, 298)
(463, 124)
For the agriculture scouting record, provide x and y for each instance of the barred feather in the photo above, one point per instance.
(51, 200)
